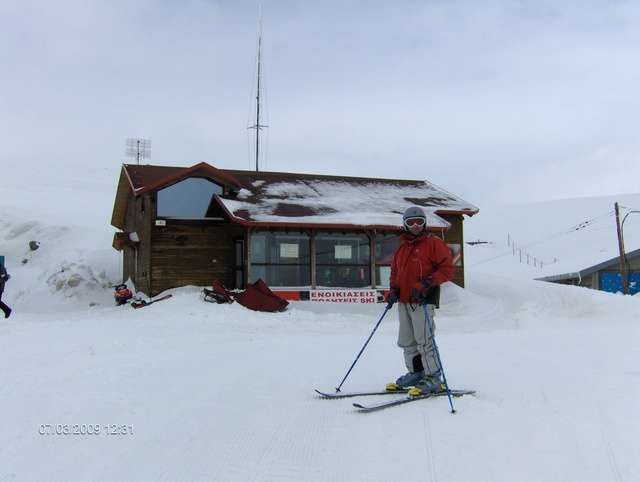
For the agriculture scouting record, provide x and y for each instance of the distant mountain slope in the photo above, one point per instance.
(559, 236)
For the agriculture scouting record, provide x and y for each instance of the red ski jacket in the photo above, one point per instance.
(416, 258)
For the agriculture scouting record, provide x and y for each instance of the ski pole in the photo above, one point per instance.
(363, 347)
(435, 346)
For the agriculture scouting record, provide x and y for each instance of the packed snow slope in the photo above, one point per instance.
(217, 392)
(550, 238)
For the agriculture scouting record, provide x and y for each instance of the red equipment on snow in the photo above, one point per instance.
(257, 297)
(122, 294)
(219, 294)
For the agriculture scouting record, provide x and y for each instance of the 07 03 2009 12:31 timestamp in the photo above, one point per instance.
(85, 429)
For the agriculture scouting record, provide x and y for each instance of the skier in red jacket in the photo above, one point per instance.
(420, 265)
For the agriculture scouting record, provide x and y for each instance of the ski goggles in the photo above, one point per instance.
(414, 222)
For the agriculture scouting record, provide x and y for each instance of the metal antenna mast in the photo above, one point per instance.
(138, 149)
(257, 126)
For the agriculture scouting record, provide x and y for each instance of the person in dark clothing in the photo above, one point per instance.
(4, 277)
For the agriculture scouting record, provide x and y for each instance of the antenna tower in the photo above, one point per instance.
(257, 126)
(138, 149)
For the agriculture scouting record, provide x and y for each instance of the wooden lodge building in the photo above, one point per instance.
(190, 225)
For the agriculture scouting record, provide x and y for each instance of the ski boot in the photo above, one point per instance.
(429, 384)
(407, 380)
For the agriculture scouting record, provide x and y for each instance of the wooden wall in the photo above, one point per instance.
(192, 253)
(178, 254)
(136, 260)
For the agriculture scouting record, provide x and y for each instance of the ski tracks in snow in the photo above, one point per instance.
(428, 445)
(613, 465)
(611, 456)
(287, 445)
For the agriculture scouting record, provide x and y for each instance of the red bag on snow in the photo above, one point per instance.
(259, 297)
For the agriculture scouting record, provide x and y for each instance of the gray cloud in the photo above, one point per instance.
(493, 100)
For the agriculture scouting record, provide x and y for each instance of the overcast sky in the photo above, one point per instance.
(494, 101)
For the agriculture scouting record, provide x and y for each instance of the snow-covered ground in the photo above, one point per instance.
(217, 392)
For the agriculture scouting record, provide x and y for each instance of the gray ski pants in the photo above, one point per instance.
(415, 337)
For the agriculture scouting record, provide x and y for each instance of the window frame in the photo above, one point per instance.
(186, 218)
(364, 242)
(299, 235)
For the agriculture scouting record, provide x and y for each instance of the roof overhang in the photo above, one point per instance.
(202, 169)
(561, 277)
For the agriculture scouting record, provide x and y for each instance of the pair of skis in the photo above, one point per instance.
(391, 403)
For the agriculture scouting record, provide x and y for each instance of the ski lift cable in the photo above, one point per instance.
(590, 222)
(573, 229)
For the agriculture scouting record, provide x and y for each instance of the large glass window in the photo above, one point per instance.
(192, 198)
(281, 259)
(385, 246)
(343, 260)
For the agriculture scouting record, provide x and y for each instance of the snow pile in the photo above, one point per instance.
(243, 193)
(72, 267)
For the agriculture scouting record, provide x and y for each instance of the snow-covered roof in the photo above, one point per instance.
(310, 199)
(342, 201)
(273, 197)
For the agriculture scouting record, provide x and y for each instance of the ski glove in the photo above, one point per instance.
(420, 290)
(392, 297)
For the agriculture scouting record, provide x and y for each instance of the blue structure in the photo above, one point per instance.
(612, 282)
(604, 276)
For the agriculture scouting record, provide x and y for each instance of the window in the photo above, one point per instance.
(385, 246)
(343, 260)
(192, 198)
(281, 259)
